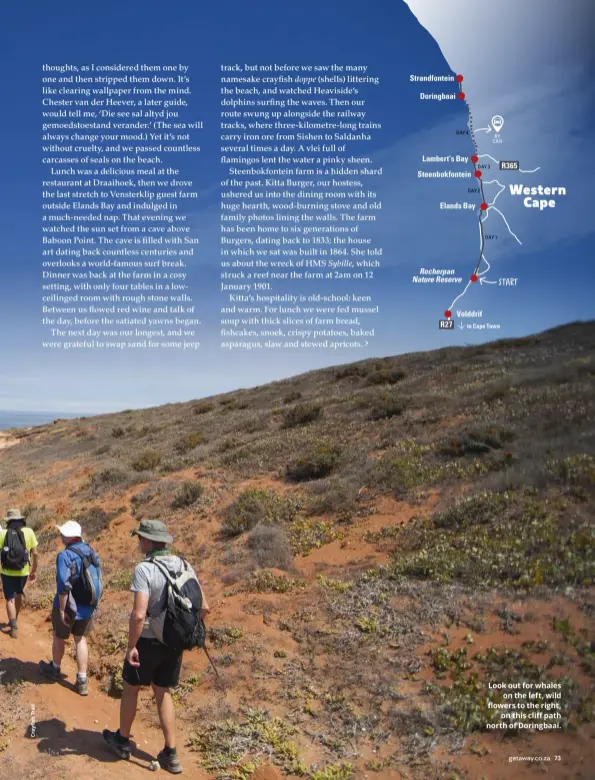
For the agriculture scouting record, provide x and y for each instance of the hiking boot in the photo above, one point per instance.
(14, 632)
(50, 671)
(121, 747)
(81, 687)
(170, 762)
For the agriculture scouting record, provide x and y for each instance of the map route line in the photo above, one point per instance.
(460, 295)
(484, 207)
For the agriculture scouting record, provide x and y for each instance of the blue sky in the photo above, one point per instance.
(554, 262)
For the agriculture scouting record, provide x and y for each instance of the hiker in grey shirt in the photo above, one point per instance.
(148, 661)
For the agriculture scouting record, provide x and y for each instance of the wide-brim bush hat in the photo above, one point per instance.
(154, 530)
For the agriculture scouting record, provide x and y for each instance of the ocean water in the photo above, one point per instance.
(9, 419)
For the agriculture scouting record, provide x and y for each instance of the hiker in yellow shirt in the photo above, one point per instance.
(18, 563)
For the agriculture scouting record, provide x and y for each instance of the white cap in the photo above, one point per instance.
(71, 529)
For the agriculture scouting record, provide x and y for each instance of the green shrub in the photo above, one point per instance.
(121, 579)
(93, 521)
(518, 343)
(351, 371)
(495, 540)
(147, 430)
(188, 494)
(115, 684)
(385, 376)
(334, 772)
(253, 423)
(45, 539)
(118, 432)
(477, 441)
(228, 744)
(577, 470)
(227, 635)
(315, 464)
(203, 408)
(386, 407)
(146, 461)
(270, 546)
(333, 497)
(408, 466)
(301, 414)
(110, 476)
(229, 444)
(497, 393)
(263, 581)
(476, 509)
(36, 516)
(189, 441)
(145, 495)
(307, 533)
(255, 506)
(173, 463)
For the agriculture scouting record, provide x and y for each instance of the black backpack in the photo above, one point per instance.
(180, 625)
(87, 588)
(14, 553)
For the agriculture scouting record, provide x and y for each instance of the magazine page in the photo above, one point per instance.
(297, 414)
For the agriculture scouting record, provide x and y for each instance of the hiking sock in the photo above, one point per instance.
(167, 751)
(13, 623)
(81, 677)
(55, 666)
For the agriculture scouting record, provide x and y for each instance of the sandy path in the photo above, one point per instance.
(68, 741)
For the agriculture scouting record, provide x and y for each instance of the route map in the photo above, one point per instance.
(523, 184)
(482, 267)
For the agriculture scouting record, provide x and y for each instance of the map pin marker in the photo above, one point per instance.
(497, 123)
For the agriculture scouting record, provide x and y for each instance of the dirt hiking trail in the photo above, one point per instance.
(67, 739)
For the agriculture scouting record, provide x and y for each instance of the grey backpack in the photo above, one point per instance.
(180, 625)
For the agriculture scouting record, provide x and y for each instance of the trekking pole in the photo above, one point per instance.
(211, 661)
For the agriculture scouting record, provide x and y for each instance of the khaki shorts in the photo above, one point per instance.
(79, 628)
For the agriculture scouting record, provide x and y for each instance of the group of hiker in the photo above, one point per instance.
(167, 616)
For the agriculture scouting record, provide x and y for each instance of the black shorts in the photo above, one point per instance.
(159, 665)
(13, 585)
(78, 628)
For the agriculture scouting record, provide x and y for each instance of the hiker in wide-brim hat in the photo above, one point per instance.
(14, 514)
(150, 661)
(154, 530)
(18, 563)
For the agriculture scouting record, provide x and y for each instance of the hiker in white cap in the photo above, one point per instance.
(18, 563)
(78, 590)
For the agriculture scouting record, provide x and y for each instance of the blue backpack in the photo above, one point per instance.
(87, 588)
